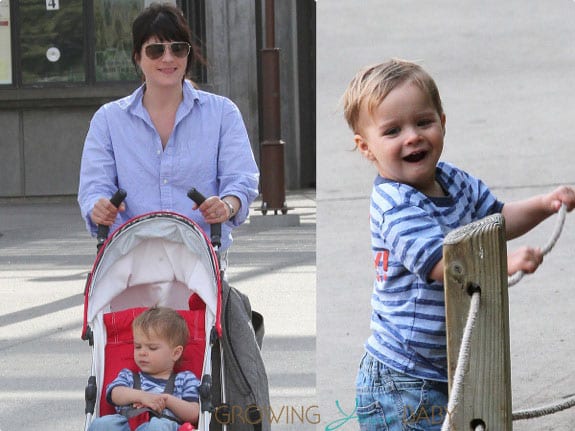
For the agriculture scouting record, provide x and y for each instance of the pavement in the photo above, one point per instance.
(506, 74)
(45, 256)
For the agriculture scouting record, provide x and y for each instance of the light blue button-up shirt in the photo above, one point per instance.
(208, 149)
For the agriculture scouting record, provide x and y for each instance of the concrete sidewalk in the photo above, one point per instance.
(45, 256)
(506, 74)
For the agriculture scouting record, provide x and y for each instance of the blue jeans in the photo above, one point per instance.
(388, 400)
(120, 423)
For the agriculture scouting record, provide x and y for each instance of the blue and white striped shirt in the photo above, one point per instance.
(407, 232)
(185, 386)
(208, 149)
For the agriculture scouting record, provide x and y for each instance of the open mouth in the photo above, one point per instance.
(415, 157)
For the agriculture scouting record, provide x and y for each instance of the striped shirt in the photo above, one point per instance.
(407, 232)
(185, 386)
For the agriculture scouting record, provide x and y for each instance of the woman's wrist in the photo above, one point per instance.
(233, 205)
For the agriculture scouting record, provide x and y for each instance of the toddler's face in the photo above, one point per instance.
(153, 354)
(404, 137)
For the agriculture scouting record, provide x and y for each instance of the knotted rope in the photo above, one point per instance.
(548, 247)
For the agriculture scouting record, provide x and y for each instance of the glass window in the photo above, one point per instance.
(5, 49)
(113, 38)
(51, 41)
(61, 42)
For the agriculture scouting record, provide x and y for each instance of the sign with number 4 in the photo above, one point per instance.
(52, 4)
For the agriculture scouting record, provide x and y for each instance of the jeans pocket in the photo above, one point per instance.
(421, 406)
(370, 416)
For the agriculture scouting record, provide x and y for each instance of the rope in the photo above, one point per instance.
(545, 410)
(462, 360)
(464, 350)
(514, 279)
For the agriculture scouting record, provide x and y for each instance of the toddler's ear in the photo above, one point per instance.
(363, 147)
(177, 352)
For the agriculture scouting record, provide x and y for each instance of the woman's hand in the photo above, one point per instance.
(215, 210)
(104, 212)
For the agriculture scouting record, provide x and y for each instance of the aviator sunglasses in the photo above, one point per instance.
(156, 50)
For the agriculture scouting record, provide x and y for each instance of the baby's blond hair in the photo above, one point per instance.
(373, 83)
(165, 323)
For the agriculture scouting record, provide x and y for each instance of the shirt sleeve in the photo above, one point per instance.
(98, 175)
(124, 378)
(485, 201)
(190, 385)
(238, 173)
(413, 238)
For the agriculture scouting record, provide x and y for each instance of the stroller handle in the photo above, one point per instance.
(216, 228)
(104, 230)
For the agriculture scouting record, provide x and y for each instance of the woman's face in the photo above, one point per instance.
(169, 68)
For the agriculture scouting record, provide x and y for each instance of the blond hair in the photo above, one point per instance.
(373, 83)
(165, 323)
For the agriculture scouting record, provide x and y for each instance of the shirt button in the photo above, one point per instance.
(165, 181)
(158, 152)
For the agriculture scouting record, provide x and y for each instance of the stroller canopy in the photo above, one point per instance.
(155, 259)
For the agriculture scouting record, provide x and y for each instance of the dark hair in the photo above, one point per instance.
(166, 22)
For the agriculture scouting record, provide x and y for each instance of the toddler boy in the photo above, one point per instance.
(160, 335)
(395, 111)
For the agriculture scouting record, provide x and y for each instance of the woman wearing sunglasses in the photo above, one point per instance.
(166, 138)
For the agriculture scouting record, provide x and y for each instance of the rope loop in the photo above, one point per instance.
(514, 279)
(464, 351)
(464, 355)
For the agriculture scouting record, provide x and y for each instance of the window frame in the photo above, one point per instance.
(194, 10)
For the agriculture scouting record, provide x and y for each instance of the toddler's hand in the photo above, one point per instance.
(561, 195)
(526, 259)
(156, 402)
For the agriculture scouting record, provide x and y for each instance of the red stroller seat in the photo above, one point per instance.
(119, 348)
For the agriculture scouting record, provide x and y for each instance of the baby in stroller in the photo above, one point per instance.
(169, 398)
(165, 259)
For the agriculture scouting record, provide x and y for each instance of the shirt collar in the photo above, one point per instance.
(135, 105)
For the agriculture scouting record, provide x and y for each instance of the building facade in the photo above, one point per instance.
(60, 61)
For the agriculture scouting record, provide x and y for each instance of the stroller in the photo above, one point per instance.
(165, 259)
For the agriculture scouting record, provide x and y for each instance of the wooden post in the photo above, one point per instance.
(475, 254)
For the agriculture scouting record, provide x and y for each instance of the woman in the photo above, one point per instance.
(166, 138)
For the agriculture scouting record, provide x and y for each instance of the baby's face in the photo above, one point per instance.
(153, 354)
(403, 136)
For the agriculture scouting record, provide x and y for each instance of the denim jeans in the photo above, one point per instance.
(120, 423)
(388, 400)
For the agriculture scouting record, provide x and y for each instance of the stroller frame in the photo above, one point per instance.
(122, 250)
